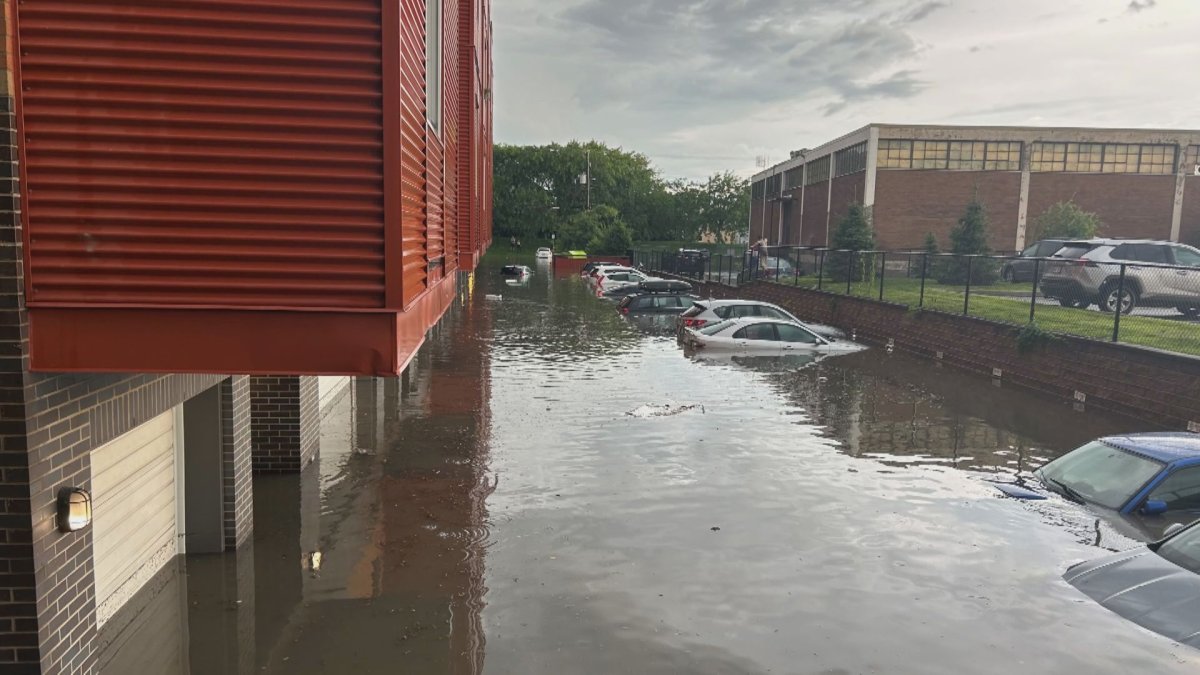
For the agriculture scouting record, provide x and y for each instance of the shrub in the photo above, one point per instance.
(970, 237)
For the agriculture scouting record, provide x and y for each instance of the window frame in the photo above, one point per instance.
(743, 329)
(435, 76)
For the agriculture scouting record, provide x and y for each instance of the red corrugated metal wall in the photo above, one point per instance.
(413, 147)
(450, 113)
(224, 152)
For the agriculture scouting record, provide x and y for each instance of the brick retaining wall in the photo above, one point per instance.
(1160, 388)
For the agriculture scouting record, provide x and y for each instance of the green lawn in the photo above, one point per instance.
(1010, 303)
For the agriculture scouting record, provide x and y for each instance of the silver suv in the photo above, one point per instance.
(1157, 274)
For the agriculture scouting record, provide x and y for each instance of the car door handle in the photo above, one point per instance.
(1182, 273)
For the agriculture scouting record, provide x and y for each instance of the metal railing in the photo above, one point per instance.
(1159, 305)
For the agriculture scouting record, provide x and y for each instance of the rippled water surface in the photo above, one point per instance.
(498, 510)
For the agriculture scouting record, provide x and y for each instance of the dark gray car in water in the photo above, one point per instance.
(1156, 586)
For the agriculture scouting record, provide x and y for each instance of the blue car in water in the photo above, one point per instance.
(1150, 481)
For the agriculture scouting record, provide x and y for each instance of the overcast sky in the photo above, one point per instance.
(707, 85)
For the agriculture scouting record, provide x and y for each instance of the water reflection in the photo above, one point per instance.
(496, 510)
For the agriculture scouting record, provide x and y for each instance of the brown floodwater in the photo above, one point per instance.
(499, 510)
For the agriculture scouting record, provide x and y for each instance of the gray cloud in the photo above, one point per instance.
(681, 56)
(1136, 6)
(902, 84)
(923, 11)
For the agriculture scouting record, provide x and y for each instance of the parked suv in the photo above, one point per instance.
(1021, 268)
(1157, 274)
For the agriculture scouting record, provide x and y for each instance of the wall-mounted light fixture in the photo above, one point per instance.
(74, 509)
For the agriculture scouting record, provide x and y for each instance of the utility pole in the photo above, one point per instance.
(589, 179)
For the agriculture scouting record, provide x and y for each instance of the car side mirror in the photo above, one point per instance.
(1154, 507)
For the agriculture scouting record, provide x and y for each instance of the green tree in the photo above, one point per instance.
(1065, 220)
(853, 233)
(600, 230)
(932, 259)
(931, 244)
(970, 238)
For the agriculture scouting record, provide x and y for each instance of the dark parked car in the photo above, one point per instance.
(1156, 586)
(657, 303)
(1021, 268)
(1149, 482)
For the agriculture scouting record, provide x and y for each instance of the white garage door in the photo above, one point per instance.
(133, 520)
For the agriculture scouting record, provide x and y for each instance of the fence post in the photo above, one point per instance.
(1033, 296)
(1117, 309)
(778, 262)
(820, 269)
(882, 269)
(924, 270)
(850, 272)
(967, 293)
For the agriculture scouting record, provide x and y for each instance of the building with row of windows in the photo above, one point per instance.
(918, 179)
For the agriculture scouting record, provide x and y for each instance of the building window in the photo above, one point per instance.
(433, 64)
(756, 192)
(966, 155)
(851, 160)
(1085, 157)
(818, 171)
(1157, 159)
(793, 177)
(931, 155)
(1048, 157)
(1002, 156)
(1193, 161)
(773, 184)
(894, 154)
(1102, 158)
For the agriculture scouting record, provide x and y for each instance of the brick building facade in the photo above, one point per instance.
(918, 179)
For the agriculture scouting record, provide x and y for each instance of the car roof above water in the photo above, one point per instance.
(1165, 447)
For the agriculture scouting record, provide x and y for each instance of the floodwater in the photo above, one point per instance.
(498, 510)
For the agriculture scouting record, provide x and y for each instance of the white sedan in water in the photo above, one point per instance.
(761, 335)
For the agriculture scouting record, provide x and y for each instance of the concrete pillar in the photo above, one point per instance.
(284, 422)
(872, 173)
(1177, 207)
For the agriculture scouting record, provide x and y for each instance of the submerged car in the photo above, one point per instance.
(656, 303)
(1155, 586)
(515, 271)
(765, 336)
(651, 286)
(544, 253)
(713, 311)
(1150, 481)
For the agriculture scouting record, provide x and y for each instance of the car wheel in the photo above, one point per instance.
(1007, 274)
(1189, 312)
(1113, 296)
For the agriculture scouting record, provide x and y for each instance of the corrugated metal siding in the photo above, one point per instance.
(468, 98)
(133, 535)
(450, 211)
(224, 152)
(412, 133)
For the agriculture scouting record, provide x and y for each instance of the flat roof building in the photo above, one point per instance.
(917, 179)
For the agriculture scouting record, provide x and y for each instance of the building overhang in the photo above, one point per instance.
(74, 339)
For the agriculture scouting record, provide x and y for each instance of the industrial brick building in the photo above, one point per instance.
(207, 205)
(918, 179)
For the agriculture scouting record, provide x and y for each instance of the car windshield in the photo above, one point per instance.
(715, 328)
(1100, 474)
(1183, 549)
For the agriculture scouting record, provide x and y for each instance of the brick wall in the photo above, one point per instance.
(1189, 231)
(756, 219)
(847, 190)
(1128, 206)
(237, 483)
(1156, 387)
(791, 218)
(909, 204)
(285, 422)
(816, 202)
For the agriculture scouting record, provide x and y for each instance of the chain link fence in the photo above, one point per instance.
(1142, 303)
